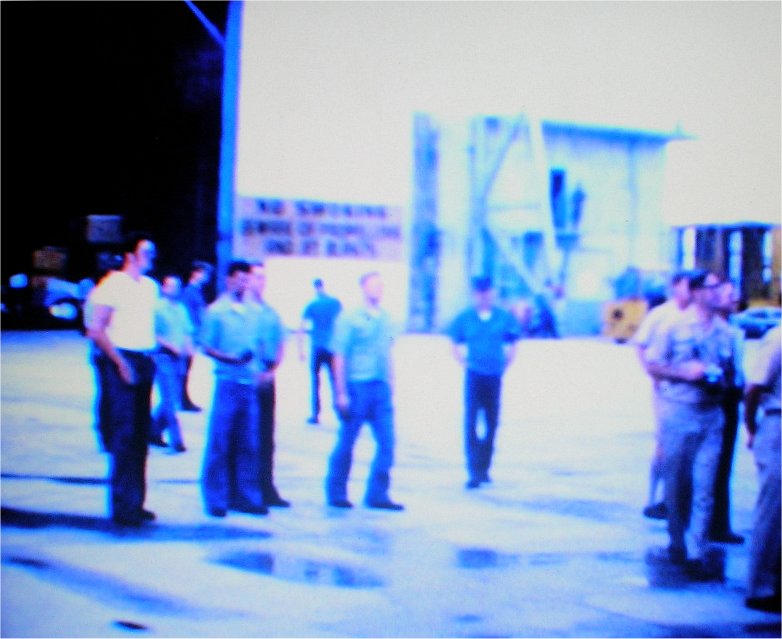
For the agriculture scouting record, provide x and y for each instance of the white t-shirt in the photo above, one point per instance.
(132, 324)
(654, 319)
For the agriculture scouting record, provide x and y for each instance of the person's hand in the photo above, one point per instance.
(692, 371)
(126, 372)
(342, 401)
(266, 377)
(750, 440)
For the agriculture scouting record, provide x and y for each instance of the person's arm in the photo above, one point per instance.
(657, 360)
(101, 317)
(341, 399)
(300, 338)
(509, 349)
(752, 396)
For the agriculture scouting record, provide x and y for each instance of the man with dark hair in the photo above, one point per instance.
(122, 326)
(678, 300)
(363, 375)
(229, 480)
(195, 302)
(692, 356)
(320, 314)
(484, 340)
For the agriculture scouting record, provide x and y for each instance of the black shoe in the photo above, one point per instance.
(251, 510)
(473, 483)
(485, 479)
(180, 448)
(764, 604)
(667, 556)
(135, 521)
(217, 512)
(340, 503)
(277, 502)
(158, 441)
(312, 420)
(147, 515)
(658, 511)
(191, 408)
(727, 538)
(384, 505)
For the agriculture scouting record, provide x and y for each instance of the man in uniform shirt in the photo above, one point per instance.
(679, 300)
(320, 313)
(174, 333)
(692, 356)
(484, 342)
(122, 326)
(763, 391)
(364, 377)
(229, 480)
(269, 348)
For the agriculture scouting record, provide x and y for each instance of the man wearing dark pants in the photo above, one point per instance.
(364, 378)
(484, 342)
(269, 351)
(320, 313)
(122, 326)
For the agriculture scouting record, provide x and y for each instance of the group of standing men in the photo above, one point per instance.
(695, 359)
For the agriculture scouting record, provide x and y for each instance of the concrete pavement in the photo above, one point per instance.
(554, 547)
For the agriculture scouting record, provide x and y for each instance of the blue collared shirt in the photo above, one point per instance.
(364, 338)
(232, 327)
(485, 338)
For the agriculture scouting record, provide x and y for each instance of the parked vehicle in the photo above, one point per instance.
(756, 321)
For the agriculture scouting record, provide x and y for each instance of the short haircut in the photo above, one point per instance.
(481, 284)
(680, 275)
(199, 265)
(132, 239)
(698, 279)
(317, 283)
(237, 266)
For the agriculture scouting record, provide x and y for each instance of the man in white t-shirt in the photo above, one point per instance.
(122, 326)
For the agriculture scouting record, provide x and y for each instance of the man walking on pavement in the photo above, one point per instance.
(484, 342)
(320, 314)
(363, 375)
(763, 392)
(122, 326)
(195, 302)
(270, 348)
(229, 479)
(692, 355)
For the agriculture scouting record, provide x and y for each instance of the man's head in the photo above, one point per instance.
(139, 251)
(318, 285)
(372, 287)
(171, 286)
(728, 298)
(257, 279)
(237, 278)
(680, 288)
(482, 293)
(200, 272)
(703, 286)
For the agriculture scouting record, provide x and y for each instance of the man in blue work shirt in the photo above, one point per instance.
(484, 342)
(320, 314)
(231, 458)
(363, 377)
(270, 348)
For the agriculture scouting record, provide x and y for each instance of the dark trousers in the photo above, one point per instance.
(128, 411)
(266, 403)
(320, 356)
(481, 394)
(185, 398)
(102, 403)
(369, 402)
(720, 518)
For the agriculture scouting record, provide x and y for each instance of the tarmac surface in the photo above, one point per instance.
(553, 547)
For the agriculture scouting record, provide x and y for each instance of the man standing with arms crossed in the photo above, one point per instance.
(122, 326)
(484, 342)
(320, 313)
(363, 377)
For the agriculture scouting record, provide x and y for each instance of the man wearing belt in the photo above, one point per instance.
(692, 356)
(763, 391)
(122, 326)
(229, 480)
(363, 376)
